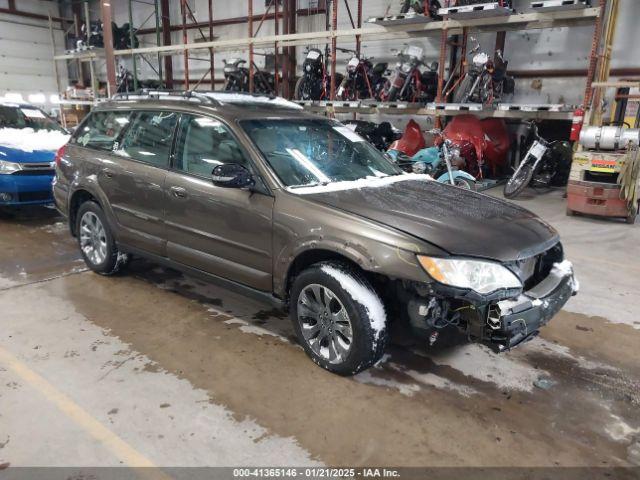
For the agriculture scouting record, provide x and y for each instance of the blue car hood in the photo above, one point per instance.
(20, 156)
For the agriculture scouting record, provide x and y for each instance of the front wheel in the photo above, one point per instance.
(518, 182)
(464, 183)
(338, 317)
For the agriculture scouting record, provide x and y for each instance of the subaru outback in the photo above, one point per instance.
(256, 194)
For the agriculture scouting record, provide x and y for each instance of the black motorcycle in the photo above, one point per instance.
(380, 135)
(486, 79)
(546, 164)
(236, 78)
(363, 78)
(315, 83)
(424, 7)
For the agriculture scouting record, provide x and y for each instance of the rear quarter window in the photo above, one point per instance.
(101, 129)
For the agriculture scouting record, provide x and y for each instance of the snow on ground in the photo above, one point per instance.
(433, 380)
(368, 182)
(368, 377)
(246, 327)
(29, 140)
(480, 362)
(547, 347)
(619, 430)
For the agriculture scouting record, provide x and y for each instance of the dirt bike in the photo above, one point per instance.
(545, 164)
(315, 82)
(409, 83)
(363, 78)
(485, 80)
(424, 7)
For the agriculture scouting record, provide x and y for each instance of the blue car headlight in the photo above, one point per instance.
(7, 168)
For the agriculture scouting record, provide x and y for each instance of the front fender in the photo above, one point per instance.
(444, 178)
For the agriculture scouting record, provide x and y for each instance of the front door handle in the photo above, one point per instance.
(108, 173)
(178, 192)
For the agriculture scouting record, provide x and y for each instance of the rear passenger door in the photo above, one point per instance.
(134, 182)
(223, 231)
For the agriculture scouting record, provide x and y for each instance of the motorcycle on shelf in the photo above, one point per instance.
(546, 164)
(363, 78)
(408, 83)
(315, 82)
(424, 7)
(236, 77)
(463, 3)
(442, 161)
(380, 135)
(485, 80)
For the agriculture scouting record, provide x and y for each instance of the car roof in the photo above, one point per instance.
(231, 106)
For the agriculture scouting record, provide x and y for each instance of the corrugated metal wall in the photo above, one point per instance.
(26, 52)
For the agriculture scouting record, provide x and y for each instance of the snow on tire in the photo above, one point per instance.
(339, 318)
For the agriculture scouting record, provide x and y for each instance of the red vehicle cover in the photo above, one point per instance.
(489, 138)
(412, 140)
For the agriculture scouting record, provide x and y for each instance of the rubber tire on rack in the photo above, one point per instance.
(115, 260)
(366, 350)
(461, 90)
(518, 188)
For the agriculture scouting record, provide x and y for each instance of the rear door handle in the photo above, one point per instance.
(178, 192)
(108, 173)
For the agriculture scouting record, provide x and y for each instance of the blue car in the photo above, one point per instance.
(29, 140)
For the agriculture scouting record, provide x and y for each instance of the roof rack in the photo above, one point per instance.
(166, 94)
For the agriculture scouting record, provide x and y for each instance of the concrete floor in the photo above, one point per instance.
(155, 368)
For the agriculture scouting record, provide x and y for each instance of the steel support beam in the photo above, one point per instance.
(250, 24)
(166, 41)
(107, 34)
(334, 48)
(185, 41)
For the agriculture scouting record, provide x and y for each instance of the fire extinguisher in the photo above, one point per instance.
(576, 124)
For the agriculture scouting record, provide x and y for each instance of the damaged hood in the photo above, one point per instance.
(459, 221)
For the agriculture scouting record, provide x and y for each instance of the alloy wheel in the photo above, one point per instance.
(93, 238)
(325, 323)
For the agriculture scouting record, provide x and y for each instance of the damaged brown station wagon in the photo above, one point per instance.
(254, 193)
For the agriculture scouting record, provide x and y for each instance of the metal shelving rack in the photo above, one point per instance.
(376, 30)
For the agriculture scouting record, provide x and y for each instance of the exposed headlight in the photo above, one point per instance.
(419, 167)
(482, 277)
(406, 67)
(7, 168)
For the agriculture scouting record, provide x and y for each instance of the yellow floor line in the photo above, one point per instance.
(121, 449)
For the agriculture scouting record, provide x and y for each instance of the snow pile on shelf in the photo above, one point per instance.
(367, 182)
(29, 140)
(238, 98)
(362, 294)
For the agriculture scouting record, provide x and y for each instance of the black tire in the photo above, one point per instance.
(462, 89)
(114, 260)
(297, 93)
(369, 332)
(392, 95)
(518, 182)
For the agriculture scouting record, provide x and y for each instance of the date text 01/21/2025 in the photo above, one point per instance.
(315, 472)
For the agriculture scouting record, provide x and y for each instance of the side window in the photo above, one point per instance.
(101, 129)
(149, 138)
(203, 143)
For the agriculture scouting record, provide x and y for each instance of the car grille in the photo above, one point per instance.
(34, 196)
(533, 270)
(31, 172)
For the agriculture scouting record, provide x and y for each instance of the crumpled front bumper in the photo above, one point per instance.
(512, 322)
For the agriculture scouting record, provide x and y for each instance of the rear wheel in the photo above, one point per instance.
(338, 317)
(97, 245)
(518, 182)
(298, 92)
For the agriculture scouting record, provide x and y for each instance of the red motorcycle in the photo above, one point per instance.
(483, 144)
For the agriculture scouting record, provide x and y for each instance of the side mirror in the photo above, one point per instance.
(232, 175)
